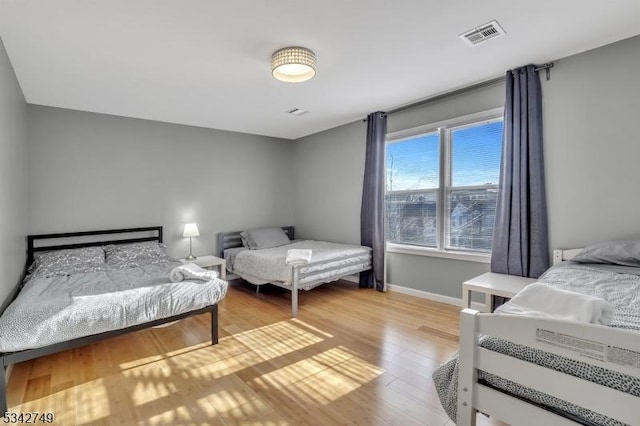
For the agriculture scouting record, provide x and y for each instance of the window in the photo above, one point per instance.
(441, 184)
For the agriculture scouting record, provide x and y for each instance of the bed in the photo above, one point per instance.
(532, 371)
(265, 263)
(96, 287)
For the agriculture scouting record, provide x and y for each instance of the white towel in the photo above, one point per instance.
(191, 271)
(541, 300)
(298, 256)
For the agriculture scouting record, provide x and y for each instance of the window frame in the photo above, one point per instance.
(443, 128)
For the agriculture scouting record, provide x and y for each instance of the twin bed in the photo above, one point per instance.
(528, 370)
(82, 292)
(260, 257)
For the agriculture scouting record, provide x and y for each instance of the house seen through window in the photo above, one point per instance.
(441, 185)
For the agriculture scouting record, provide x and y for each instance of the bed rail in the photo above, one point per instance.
(303, 271)
(605, 347)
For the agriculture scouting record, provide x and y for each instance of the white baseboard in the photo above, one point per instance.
(432, 296)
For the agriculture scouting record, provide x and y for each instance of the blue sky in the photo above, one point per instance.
(414, 163)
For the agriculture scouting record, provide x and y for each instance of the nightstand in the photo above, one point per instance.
(493, 284)
(208, 262)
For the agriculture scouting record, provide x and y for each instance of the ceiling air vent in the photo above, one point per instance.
(482, 33)
(297, 111)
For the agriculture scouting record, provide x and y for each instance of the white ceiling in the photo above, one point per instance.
(207, 63)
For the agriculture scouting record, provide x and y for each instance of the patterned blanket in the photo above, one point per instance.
(57, 309)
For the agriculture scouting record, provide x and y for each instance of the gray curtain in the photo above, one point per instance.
(372, 210)
(520, 238)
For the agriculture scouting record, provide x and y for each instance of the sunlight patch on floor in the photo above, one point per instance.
(290, 374)
(138, 362)
(91, 402)
(213, 370)
(176, 416)
(311, 328)
(149, 389)
(307, 372)
(254, 413)
(322, 378)
(284, 336)
(141, 361)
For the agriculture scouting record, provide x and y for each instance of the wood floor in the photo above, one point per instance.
(352, 357)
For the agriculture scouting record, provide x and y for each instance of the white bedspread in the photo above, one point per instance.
(268, 265)
(57, 309)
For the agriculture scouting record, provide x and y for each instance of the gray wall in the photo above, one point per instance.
(13, 177)
(591, 110)
(92, 171)
(329, 170)
(592, 143)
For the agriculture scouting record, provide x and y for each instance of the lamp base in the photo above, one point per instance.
(190, 257)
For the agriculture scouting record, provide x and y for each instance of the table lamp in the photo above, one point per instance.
(190, 231)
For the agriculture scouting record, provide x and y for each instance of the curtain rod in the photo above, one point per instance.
(447, 94)
(461, 90)
(547, 67)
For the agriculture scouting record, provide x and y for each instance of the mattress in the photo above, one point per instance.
(57, 309)
(268, 265)
(621, 290)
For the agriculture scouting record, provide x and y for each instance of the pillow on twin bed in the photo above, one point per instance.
(135, 255)
(625, 253)
(68, 261)
(262, 238)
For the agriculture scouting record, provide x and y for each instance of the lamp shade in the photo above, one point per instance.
(293, 64)
(190, 230)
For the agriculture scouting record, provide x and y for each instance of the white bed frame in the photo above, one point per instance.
(298, 272)
(606, 347)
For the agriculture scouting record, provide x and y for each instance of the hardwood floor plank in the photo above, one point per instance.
(406, 404)
(435, 332)
(352, 357)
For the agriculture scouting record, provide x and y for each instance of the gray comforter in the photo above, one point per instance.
(57, 309)
(621, 290)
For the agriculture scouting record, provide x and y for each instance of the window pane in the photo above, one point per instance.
(411, 217)
(475, 154)
(471, 217)
(413, 163)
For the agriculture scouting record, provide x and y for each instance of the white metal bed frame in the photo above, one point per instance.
(298, 272)
(611, 348)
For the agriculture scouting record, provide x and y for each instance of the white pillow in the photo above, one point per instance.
(262, 238)
(626, 253)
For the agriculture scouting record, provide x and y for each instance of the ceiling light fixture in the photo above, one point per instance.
(293, 64)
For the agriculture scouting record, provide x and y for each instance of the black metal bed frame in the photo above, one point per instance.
(9, 358)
